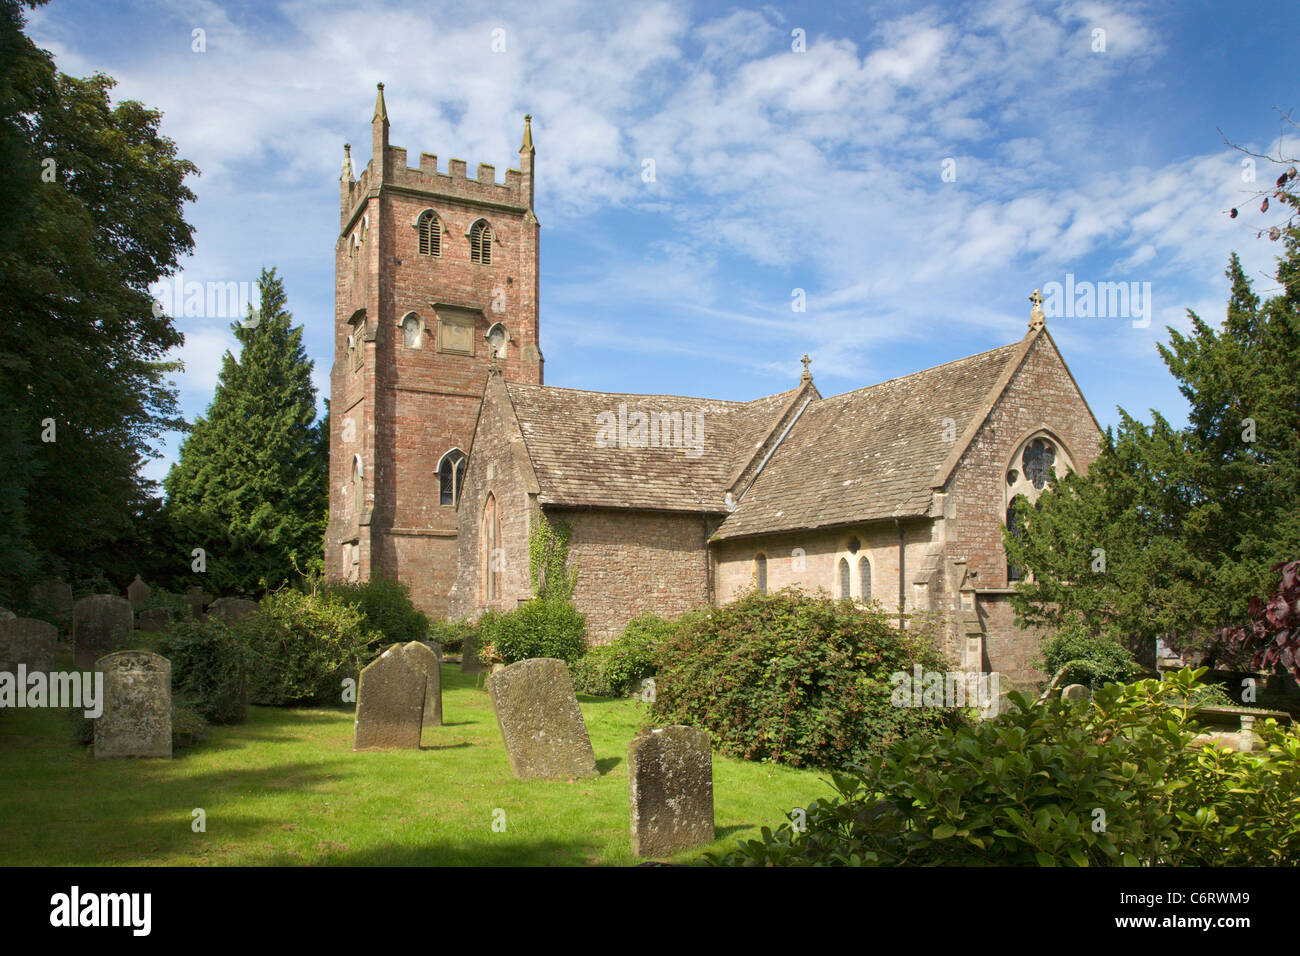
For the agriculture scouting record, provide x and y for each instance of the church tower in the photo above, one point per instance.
(435, 286)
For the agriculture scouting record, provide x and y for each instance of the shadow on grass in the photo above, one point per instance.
(497, 851)
(605, 764)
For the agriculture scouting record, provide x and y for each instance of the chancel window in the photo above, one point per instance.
(451, 474)
(845, 586)
(864, 579)
(760, 572)
(1032, 469)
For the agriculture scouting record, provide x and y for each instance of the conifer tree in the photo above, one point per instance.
(250, 486)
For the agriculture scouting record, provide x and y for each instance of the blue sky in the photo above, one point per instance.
(917, 170)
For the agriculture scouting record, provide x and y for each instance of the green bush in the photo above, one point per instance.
(385, 603)
(302, 647)
(1117, 781)
(451, 635)
(618, 668)
(209, 663)
(794, 678)
(551, 628)
(1090, 659)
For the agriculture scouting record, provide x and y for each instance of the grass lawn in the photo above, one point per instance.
(285, 788)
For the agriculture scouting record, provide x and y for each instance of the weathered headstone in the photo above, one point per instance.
(137, 592)
(427, 661)
(390, 702)
(154, 619)
(230, 610)
(137, 717)
(540, 721)
(1075, 692)
(469, 656)
(98, 623)
(670, 790)
(52, 601)
(25, 640)
(197, 599)
(6, 614)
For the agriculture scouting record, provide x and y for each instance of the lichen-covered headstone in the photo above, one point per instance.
(423, 657)
(670, 790)
(25, 640)
(99, 623)
(6, 614)
(1075, 692)
(137, 717)
(230, 610)
(390, 702)
(137, 592)
(540, 721)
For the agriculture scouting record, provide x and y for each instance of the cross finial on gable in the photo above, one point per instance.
(1037, 319)
(807, 375)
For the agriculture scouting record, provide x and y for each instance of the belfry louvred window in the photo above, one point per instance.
(480, 242)
(430, 235)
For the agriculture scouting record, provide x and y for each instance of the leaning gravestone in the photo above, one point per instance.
(25, 640)
(230, 610)
(137, 717)
(137, 592)
(1073, 692)
(427, 662)
(469, 656)
(540, 721)
(670, 790)
(154, 619)
(390, 702)
(98, 622)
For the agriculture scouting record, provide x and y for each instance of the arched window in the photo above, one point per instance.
(430, 227)
(1034, 466)
(356, 485)
(411, 337)
(451, 474)
(864, 579)
(760, 572)
(490, 535)
(496, 337)
(845, 592)
(357, 342)
(480, 242)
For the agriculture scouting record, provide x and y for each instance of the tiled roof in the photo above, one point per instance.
(868, 454)
(580, 460)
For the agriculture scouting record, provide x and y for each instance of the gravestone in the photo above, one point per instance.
(1075, 692)
(230, 610)
(670, 790)
(197, 599)
(469, 656)
(427, 662)
(98, 623)
(540, 721)
(52, 601)
(6, 614)
(137, 592)
(390, 702)
(25, 640)
(154, 619)
(137, 717)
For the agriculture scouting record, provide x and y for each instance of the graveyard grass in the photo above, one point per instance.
(286, 789)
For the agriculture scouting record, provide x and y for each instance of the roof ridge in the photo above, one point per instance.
(693, 398)
(932, 368)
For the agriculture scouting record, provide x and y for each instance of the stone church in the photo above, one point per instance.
(446, 446)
